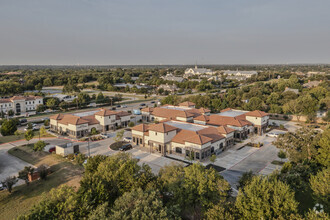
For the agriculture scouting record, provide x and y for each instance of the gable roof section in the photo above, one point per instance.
(148, 109)
(202, 118)
(187, 103)
(256, 113)
(73, 120)
(140, 127)
(225, 130)
(105, 112)
(225, 120)
(162, 127)
(171, 113)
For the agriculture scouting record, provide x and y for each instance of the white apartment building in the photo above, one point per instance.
(20, 104)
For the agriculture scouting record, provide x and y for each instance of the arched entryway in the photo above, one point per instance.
(18, 108)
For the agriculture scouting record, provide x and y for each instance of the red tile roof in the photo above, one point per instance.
(187, 104)
(162, 127)
(105, 112)
(225, 120)
(202, 118)
(225, 130)
(140, 127)
(256, 113)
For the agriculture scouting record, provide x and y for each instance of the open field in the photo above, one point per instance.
(24, 197)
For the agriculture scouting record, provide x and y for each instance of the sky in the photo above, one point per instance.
(141, 32)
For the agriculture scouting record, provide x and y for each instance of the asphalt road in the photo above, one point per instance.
(129, 107)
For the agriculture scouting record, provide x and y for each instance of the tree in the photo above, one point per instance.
(112, 177)
(100, 98)
(221, 211)
(28, 135)
(265, 198)
(41, 108)
(9, 182)
(131, 124)
(64, 105)
(52, 103)
(43, 172)
(11, 112)
(281, 154)
(8, 127)
(313, 215)
(321, 189)
(323, 156)
(93, 131)
(80, 158)
(83, 99)
(213, 158)
(43, 131)
(39, 146)
(254, 103)
(299, 145)
(38, 87)
(17, 133)
(59, 203)
(46, 122)
(119, 135)
(101, 212)
(194, 189)
(245, 179)
(24, 174)
(140, 205)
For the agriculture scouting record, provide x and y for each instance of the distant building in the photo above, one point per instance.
(63, 97)
(311, 84)
(287, 89)
(170, 77)
(169, 88)
(197, 71)
(20, 104)
(240, 75)
(81, 124)
(311, 73)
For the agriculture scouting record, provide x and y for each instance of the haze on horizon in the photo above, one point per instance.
(139, 32)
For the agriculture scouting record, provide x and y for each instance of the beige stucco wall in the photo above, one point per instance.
(161, 137)
(257, 120)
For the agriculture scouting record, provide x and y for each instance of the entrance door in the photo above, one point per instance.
(18, 108)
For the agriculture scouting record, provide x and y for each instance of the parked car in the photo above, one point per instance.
(105, 135)
(124, 106)
(52, 149)
(142, 104)
(23, 121)
(118, 106)
(1, 187)
(271, 134)
(113, 108)
(34, 127)
(44, 119)
(152, 102)
(127, 139)
(125, 147)
(313, 126)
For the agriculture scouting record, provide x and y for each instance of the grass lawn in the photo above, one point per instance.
(24, 197)
(10, 138)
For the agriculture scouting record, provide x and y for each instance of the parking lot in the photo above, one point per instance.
(235, 160)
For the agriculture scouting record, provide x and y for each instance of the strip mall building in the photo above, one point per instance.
(183, 129)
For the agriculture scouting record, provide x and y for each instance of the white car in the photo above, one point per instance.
(105, 135)
(271, 134)
(124, 106)
(127, 139)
